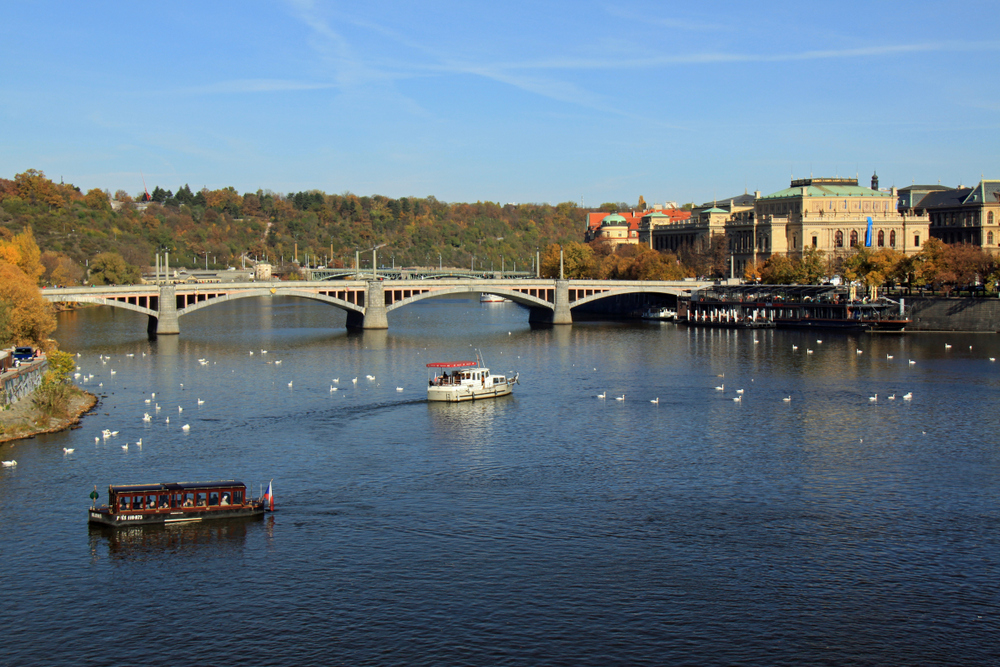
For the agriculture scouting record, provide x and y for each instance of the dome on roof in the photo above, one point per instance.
(613, 219)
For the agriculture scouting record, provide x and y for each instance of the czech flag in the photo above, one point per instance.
(270, 494)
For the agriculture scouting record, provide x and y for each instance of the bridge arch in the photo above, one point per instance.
(266, 292)
(619, 291)
(517, 297)
(102, 301)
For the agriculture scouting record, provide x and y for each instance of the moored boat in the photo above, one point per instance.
(662, 313)
(177, 502)
(485, 297)
(466, 381)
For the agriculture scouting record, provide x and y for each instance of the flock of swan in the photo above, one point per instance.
(738, 398)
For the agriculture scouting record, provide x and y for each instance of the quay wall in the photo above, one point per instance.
(953, 314)
(17, 383)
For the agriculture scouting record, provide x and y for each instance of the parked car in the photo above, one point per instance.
(24, 353)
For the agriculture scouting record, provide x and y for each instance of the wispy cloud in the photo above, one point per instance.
(664, 22)
(256, 86)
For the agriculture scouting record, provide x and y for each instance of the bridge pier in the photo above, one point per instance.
(166, 321)
(560, 313)
(374, 316)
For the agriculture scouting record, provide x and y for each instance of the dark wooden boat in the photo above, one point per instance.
(174, 503)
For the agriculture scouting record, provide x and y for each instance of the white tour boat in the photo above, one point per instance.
(660, 313)
(484, 297)
(454, 381)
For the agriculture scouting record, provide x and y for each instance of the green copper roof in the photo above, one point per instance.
(613, 219)
(714, 210)
(828, 191)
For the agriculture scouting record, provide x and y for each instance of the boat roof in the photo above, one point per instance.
(174, 486)
(452, 364)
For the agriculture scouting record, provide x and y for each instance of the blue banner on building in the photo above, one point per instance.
(868, 234)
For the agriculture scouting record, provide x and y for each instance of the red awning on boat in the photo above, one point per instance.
(451, 364)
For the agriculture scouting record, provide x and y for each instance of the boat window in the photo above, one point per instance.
(188, 499)
(124, 503)
(213, 498)
(164, 501)
(200, 499)
(151, 503)
(225, 499)
(238, 497)
(176, 499)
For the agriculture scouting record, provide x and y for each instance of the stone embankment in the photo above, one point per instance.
(953, 314)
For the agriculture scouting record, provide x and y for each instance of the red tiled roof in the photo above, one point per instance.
(635, 217)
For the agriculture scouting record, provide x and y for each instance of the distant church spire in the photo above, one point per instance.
(874, 181)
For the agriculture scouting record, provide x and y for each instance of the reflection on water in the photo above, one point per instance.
(224, 539)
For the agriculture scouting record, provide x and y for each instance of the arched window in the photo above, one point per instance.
(838, 241)
(989, 238)
(881, 238)
(989, 218)
(854, 237)
(892, 238)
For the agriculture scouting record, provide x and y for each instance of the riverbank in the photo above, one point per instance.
(24, 420)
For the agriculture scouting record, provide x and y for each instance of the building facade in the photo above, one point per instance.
(964, 215)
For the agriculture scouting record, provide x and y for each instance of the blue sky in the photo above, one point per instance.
(513, 102)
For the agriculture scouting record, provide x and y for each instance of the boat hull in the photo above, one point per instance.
(459, 393)
(104, 517)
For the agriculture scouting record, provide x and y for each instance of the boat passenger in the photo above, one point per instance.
(225, 499)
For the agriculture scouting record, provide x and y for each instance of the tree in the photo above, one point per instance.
(25, 317)
(110, 268)
(22, 251)
(60, 269)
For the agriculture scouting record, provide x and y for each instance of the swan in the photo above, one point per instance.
(114, 433)
(146, 417)
(201, 402)
(620, 398)
(947, 346)
(993, 358)
(873, 399)
(656, 400)
(263, 351)
(808, 351)
(794, 347)
(290, 382)
(399, 389)
(819, 342)
(336, 380)
(858, 351)
(9, 464)
(888, 356)
(167, 420)
(739, 391)
(738, 399)
(787, 399)
(354, 380)
(278, 362)
(113, 371)
(332, 389)
(908, 396)
(251, 353)
(125, 447)
(148, 401)
(721, 388)
(138, 443)
(68, 450)
(912, 362)
(153, 395)
(156, 407)
(604, 395)
(891, 397)
(370, 377)
(180, 409)
(186, 427)
(96, 440)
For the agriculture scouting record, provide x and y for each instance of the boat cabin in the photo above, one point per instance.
(164, 498)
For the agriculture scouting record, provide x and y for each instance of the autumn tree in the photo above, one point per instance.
(110, 268)
(25, 317)
(22, 251)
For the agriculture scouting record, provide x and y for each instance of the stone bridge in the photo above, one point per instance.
(367, 303)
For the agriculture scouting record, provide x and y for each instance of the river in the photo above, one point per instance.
(547, 528)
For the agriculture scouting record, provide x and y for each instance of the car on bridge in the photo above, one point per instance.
(24, 353)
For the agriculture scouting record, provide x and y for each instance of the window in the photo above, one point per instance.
(881, 238)
(815, 242)
(989, 219)
(151, 502)
(989, 238)
(892, 238)
(189, 499)
(200, 499)
(839, 239)
(213, 498)
(854, 237)
(124, 503)
(916, 241)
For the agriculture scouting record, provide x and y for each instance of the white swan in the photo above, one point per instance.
(891, 397)
(604, 395)
(9, 464)
(201, 402)
(186, 427)
(908, 396)
(655, 400)
(721, 387)
(354, 380)
(911, 361)
(738, 399)
(873, 399)
(739, 391)
(399, 389)
(620, 398)
(794, 347)
(146, 417)
(138, 443)
(336, 380)
(68, 450)
(290, 382)
(808, 351)
(179, 409)
(947, 346)
(125, 447)
(888, 356)
(787, 399)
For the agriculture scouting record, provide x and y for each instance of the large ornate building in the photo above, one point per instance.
(964, 215)
(828, 214)
(630, 227)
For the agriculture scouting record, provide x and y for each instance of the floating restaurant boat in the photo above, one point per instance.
(795, 307)
(491, 298)
(181, 502)
(467, 381)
